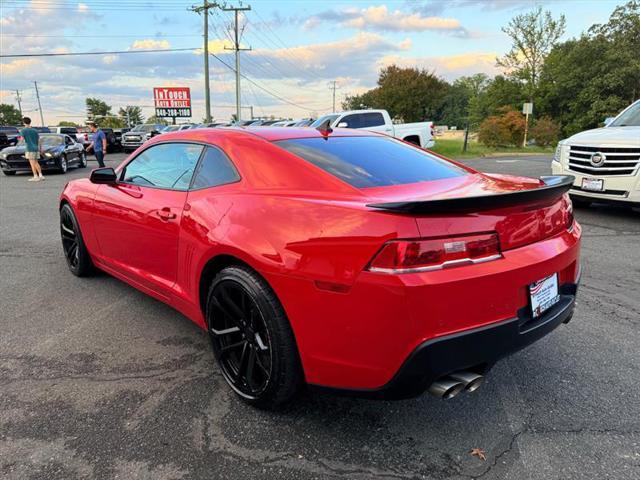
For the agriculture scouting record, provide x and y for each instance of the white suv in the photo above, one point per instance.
(605, 161)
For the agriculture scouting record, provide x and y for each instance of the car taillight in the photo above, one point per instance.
(421, 255)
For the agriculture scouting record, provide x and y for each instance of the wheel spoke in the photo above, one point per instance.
(251, 362)
(229, 348)
(229, 301)
(261, 365)
(68, 231)
(260, 343)
(241, 363)
(224, 331)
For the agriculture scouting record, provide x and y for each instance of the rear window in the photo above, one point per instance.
(371, 161)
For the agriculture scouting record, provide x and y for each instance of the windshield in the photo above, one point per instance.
(144, 128)
(321, 120)
(47, 141)
(628, 118)
(9, 129)
(371, 161)
(170, 128)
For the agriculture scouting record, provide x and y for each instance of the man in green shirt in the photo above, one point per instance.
(32, 152)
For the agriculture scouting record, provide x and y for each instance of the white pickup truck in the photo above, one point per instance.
(604, 161)
(419, 133)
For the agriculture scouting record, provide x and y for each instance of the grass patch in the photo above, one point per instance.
(452, 148)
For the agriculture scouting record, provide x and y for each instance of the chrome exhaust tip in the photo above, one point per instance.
(470, 380)
(446, 388)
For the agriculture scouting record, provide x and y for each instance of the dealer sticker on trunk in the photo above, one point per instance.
(544, 294)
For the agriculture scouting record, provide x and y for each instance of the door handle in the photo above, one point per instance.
(166, 214)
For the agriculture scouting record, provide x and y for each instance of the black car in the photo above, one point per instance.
(8, 136)
(113, 142)
(57, 152)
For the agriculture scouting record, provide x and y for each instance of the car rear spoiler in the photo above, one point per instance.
(554, 187)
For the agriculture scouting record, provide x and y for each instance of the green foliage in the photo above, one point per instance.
(131, 114)
(408, 93)
(545, 132)
(113, 122)
(97, 110)
(66, 123)
(499, 93)
(533, 34)
(502, 130)
(595, 76)
(9, 115)
(154, 119)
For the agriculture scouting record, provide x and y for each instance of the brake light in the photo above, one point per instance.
(422, 255)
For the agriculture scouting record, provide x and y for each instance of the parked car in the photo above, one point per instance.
(284, 123)
(177, 128)
(113, 144)
(419, 133)
(118, 132)
(58, 152)
(138, 135)
(42, 129)
(71, 131)
(8, 136)
(84, 136)
(604, 161)
(305, 122)
(383, 270)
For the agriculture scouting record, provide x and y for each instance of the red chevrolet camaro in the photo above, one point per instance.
(343, 260)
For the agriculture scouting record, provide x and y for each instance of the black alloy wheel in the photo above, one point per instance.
(83, 160)
(75, 252)
(63, 165)
(252, 339)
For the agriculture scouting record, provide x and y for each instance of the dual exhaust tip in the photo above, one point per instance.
(451, 385)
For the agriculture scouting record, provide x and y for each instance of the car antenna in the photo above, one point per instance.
(325, 128)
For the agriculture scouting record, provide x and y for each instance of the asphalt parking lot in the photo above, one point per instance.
(100, 381)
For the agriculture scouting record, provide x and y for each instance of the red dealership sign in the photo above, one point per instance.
(172, 102)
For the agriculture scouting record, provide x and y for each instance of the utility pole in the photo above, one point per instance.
(237, 49)
(39, 105)
(19, 103)
(207, 93)
(332, 86)
(251, 107)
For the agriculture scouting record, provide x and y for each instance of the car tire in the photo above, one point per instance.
(9, 173)
(63, 165)
(75, 251)
(252, 339)
(83, 160)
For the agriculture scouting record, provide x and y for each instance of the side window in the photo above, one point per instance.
(374, 119)
(352, 121)
(214, 169)
(67, 140)
(168, 165)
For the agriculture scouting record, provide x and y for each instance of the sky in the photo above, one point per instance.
(297, 49)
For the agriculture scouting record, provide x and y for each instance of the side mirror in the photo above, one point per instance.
(608, 120)
(343, 125)
(103, 176)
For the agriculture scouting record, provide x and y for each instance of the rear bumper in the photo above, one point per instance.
(475, 350)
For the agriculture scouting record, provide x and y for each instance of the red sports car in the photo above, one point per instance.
(344, 260)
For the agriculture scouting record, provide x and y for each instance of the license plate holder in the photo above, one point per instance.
(593, 184)
(544, 294)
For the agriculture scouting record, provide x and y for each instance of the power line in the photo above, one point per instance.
(264, 89)
(115, 52)
(156, 35)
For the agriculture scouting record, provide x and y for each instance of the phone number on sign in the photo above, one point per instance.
(173, 112)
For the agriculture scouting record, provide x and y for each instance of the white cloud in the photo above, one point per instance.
(449, 67)
(380, 18)
(150, 44)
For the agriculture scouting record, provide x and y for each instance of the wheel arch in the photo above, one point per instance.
(415, 139)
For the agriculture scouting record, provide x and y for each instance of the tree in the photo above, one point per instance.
(500, 92)
(534, 34)
(587, 79)
(502, 130)
(113, 122)
(97, 110)
(65, 123)
(160, 120)
(9, 115)
(408, 93)
(131, 115)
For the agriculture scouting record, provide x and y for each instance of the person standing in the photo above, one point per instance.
(32, 152)
(98, 143)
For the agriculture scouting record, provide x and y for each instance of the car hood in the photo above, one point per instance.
(21, 149)
(623, 136)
